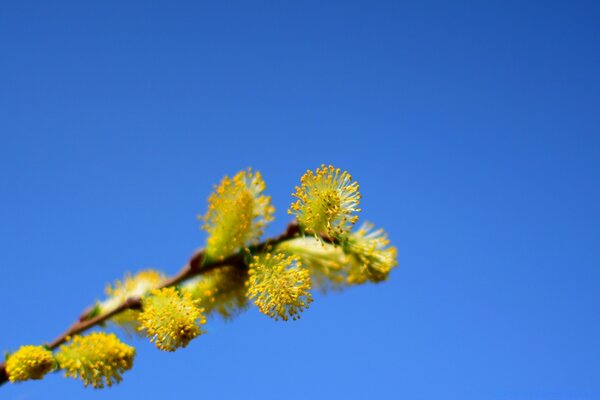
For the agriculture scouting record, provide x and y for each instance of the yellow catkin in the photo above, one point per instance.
(220, 291)
(98, 359)
(131, 286)
(29, 362)
(328, 264)
(170, 319)
(327, 201)
(372, 257)
(237, 214)
(279, 286)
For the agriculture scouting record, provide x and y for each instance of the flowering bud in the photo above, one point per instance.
(326, 202)
(237, 214)
(372, 258)
(221, 291)
(29, 362)
(279, 286)
(171, 320)
(98, 359)
(132, 286)
(327, 264)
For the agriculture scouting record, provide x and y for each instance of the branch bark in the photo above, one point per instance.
(194, 267)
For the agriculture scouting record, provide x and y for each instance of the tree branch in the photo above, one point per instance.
(194, 267)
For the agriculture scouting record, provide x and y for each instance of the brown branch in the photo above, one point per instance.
(194, 267)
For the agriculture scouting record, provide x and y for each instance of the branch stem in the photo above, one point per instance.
(195, 266)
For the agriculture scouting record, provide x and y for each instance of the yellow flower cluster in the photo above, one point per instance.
(279, 286)
(98, 359)
(29, 362)
(327, 200)
(221, 291)
(237, 214)
(364, 257)
(279, 277)
(132, 286)
(327, 264)
(170, 319)
(373, 258)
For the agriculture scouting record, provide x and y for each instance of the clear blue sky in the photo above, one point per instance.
(472, 127)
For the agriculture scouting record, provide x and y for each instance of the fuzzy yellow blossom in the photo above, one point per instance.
(170, 319)
(132, 286)
(327, 264)
(221, 291)
(279, 286)
(373, 258)
(327, 201)
(237, 214)
(29, 362)
(98, 359)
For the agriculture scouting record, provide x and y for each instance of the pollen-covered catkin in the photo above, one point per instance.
(327, 263)
(98, 359)
(327, 201)
(371, 255)
(171, 319)
(238, 212)
(29, 362)
(279, 286)
(221, 291)
(131, 286)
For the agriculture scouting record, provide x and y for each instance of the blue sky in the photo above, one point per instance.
(472, 128)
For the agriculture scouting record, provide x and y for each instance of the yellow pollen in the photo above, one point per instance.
(220, 291)
(327, 201)
(98, 359)
(372, 257)
(279, 286)
(132, 286)
(170, 319)
(237, 214)
(327, 264)
(29, 362)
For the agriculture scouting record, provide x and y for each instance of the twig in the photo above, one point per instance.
(194, 267)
